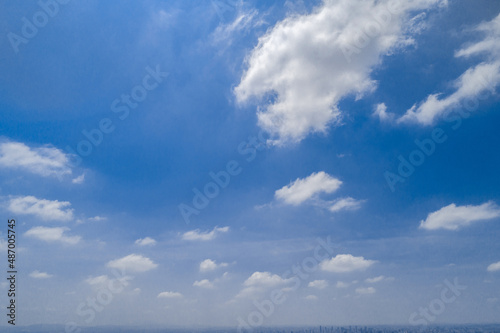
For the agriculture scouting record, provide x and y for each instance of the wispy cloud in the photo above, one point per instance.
(170, 294)
(52, 235)
(304, 189)
(197, 235)
(319, 284)
(40, 275)
(454, 217)
(48, 210)
(476, 80)
(44, 161)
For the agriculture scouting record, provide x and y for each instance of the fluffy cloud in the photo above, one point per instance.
(39, 275)
(320, 284)
(44, 161)
(52, 235)
(203, 236)
(170, 294)
(133, 263)
(208, 265)
(48, 210)
(204, 284)
(303, 189)
(145, 241)
(344, 263)
(454, 217)
(259, 282)
(379, 279)
(472, 84)
(494, 267)
(307, 64)
(365, 291)
(345, 204)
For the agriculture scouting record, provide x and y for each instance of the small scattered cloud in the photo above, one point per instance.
(341, 284)
(43, 161)
(474, 82)
(204, 284)
(258, 282)
(146, 241)
(40, 275)
(345, 204)
(382, 114)
(208, 265)
(311, 297)
(52, 235)
(133, 263)
(170, 294)
(195, 235)
(319, 284)
(79, 180)
(379, 279)
(365, 291)
(494, 267)
(345, 263)
(47, 210)
(97, 218)
(304, 189)
(454, 217)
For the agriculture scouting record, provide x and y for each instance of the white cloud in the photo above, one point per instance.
(306, 64)
(98, 280)
(44, 161)
(258, 282)
(494, 267)
(203, 236)
(133, 263)
(382, 114)
(40, 275)
(208, 265)
(379, 279)
(345, 204)
(303, 189)
(52, 235)
(311, 297)
(145, 241)
(344, 263)
(204, 284)
(320, 284)
(454, 217)
(79, 180)
(170, 294)
(264, 279)
(97, 218)
(48, 210)
(472, 84)
(365, 291)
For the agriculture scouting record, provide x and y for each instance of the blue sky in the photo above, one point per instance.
(312, 114)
